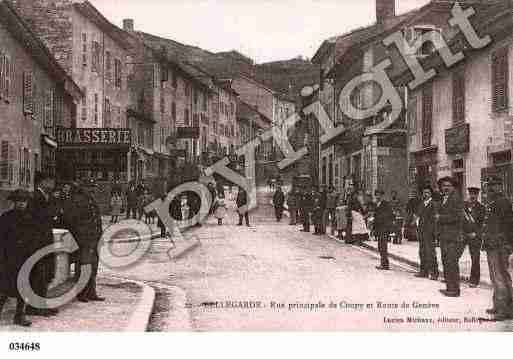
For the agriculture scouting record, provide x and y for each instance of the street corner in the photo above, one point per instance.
(124, 301)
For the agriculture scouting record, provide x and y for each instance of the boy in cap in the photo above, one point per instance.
(472, 227)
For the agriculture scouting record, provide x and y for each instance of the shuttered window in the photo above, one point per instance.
(95, 108)
(96, 56)
(2, 74)
(8, 75)
(4, 161)
(28, 99)
(117, 73)
(173, 112)
(427, 115)
(48, 110)
(108, 66)
(108, 120)
(500, 74)
(458, 97)
(84, 49)
(83, 114)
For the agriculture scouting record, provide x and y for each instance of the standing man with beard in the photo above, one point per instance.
(41, 209)
(83, 219)
(450, 221)
(472, 229)
(498, 244)
(426, 215)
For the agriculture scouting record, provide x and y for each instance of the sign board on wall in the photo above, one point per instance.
(94, 136)
(457, 139)
(188, 132)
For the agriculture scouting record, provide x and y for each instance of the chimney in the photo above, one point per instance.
(385, 10)
(128, 25)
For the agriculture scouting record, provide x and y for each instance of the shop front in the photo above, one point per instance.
(99, 154)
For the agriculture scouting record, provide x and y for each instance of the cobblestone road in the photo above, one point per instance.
(260, 278)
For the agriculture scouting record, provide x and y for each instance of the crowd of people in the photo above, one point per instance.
(28, 227)
(435, 218)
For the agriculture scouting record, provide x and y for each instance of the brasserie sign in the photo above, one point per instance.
(94, 136)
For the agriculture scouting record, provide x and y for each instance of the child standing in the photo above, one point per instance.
(116, 203)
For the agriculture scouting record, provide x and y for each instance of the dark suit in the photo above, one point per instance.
(306, 206)
(473, 223)
(41, 210)
(450, 228)
(279, 201)
(242, 200)
(427, 237)
(383, 223)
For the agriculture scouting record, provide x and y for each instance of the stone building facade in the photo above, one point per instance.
(36, 97)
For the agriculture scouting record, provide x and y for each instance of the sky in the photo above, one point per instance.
(262, 30)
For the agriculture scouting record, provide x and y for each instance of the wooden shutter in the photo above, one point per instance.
(458, 97)
(4, 160)
(427, 115)
(500, 74)
(28, 100)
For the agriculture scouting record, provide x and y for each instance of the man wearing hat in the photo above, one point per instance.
(472, 227)
(383, 225)
(41, 207)
(426, 214)
(450, 221)
(17, 233)
(498, 244)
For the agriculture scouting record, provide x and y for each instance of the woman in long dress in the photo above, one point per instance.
(358, 214)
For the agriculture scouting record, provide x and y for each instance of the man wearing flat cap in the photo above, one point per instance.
(472, 227)
(383, 225)
(17, 233)
(450, 221)
(498, 244)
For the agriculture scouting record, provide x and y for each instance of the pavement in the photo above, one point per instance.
(120, 311)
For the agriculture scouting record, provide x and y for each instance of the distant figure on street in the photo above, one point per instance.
(317, 216)
(397, 209)
(306, 206)
(213, 194)
(357, 226)
(472, 233)
(116, 204)
(17, 233)
(498, 244)
(450, 221)
(323, 198)
(341, 218)
(426, 218)
(242, 206)
(278, 202)
(292, 204)
(410, 225)
(220, 208)
(331, 205)
(383, 222)
(132, 196)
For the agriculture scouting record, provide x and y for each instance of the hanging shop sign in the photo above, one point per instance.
(94, 136)
(457, 139)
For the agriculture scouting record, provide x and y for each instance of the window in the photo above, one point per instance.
(458, 97)
(412, 116)
(186, 117)
(500, 74)
(96, 56)
(175, 79)
(7, 74)
(108, 120)
(232, 109)
(48, 110)
(196, 97)
(117, 73)
(28, 101)
(4, 161)
(187, 90)
(427, 114)
(156, 75)
(205, 101)
(108, 66)
(95, 108)
(162, 106)
(2, 77)
(173, 112)
(195, 119)
(83, 114)
(84, 49)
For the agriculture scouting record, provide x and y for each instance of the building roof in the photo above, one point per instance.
(88, 10)
(33, 44)
(249, 113)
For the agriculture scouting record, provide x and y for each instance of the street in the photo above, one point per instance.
(271, 276)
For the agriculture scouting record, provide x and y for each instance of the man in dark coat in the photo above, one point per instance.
(450, 221)
(498, 244)
(278, 202)
(42, 212)
(83, 219)
(306, 206)
(323, 202)
(426, 215)
(132, 197)
(17, 232)
(383, 220)
(472, 229)
(292, 204)
(242, 203)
